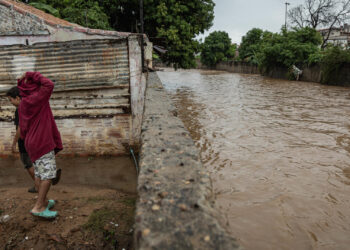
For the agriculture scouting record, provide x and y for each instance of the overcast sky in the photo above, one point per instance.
(236, 17)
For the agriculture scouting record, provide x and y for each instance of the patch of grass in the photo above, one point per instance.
(129, 201)
(1, 211)
(99, 218)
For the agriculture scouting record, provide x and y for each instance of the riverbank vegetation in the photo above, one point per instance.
(269, 50)
(300, 46)
(216, 48)
(332, 61)
(171, 24)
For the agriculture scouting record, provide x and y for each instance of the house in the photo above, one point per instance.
(99, 81)
(338, 35)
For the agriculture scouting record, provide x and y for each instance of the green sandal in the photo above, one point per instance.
(46, 214)
(51, 204)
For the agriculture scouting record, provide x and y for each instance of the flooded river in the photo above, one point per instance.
(278, 152)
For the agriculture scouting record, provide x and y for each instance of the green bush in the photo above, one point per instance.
(288, 48)
(334, 59)
(216, 48)
(315, 58)
(45, 7)
(269, 50)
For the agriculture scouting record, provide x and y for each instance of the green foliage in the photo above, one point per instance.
(173, 24)
(86, 13)
(250, 45)
(155, 56)
(216, 48)
(333, 60)
(284, 49)
(47, 8)
(288, 48)
(316, 58)
(176, 24)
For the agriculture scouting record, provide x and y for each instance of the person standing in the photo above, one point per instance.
(15, 99)
(42, 138)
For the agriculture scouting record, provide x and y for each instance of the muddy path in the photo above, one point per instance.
(95, 200)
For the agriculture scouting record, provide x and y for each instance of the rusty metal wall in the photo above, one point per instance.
(91, 99)
(85, 63)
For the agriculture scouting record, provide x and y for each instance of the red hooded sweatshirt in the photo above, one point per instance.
(38, 127)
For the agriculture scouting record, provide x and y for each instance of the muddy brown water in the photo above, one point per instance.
(278, 152)
(100, 172)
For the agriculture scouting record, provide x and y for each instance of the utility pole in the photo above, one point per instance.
(142, 40)
(285, 22)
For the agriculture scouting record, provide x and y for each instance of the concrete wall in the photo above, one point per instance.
(314, 74)
(310, 74)
(137, 88)
(174, 209)
(342, 77)
(234, 67)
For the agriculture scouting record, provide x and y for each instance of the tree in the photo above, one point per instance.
(173, 24)
(86, 13)
(216, 48)
(251, 44)
(288, 48)
(176, 23)
(320, 13)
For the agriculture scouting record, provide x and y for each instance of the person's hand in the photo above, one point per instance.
(14, 148)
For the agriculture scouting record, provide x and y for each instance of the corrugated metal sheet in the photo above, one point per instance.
(86, 63)
(91, 76)
(91, 99)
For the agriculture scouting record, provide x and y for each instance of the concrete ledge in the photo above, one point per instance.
(174, 209)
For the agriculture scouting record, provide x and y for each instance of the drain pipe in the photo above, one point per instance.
(135, 161)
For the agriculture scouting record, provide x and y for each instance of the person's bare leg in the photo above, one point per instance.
(37, 183)
(41, 202)
(31, 173)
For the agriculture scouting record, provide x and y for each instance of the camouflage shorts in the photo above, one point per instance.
(45, 166)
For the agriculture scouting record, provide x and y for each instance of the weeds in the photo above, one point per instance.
(99, 218)
(129, 201)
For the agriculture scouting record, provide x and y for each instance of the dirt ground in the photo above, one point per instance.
(91, 216)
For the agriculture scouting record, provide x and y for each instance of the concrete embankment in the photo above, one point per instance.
(310, 74)
(174, 210)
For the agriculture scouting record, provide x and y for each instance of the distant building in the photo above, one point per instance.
(338, 35)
